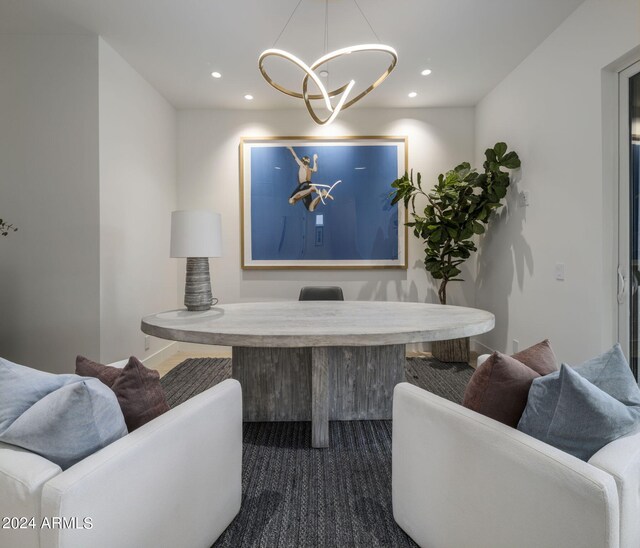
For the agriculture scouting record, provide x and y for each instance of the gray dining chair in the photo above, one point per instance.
(317, 293)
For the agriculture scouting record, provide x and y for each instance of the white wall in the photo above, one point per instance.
(137, 194)
(550, 110)
(208, 177)
(49, 269)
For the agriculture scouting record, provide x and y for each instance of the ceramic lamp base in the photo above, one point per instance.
(197, 289)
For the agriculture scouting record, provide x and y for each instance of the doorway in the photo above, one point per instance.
(629, 215)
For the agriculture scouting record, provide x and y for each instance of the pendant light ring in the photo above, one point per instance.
(346, 51)
(286, 55)
(324, 94)
(342, 91)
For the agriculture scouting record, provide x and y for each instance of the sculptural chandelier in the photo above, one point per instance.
(342, 92)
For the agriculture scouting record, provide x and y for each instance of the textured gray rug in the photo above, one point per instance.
(296, 496)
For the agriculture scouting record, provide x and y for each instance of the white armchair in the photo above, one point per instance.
(462, 480)
(176, 481)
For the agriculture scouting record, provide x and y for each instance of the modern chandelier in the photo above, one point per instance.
(343, 91)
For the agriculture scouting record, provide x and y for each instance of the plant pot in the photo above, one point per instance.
(453, 350)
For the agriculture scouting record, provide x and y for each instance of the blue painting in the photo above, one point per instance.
(321, 203)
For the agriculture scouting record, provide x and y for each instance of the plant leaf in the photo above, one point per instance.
(511, 161)
(477, 228)
(500, 149)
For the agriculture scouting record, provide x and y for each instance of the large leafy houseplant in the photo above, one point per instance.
(457, 208)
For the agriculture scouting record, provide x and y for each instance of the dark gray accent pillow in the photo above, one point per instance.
(567, 411)
(137, 388)
(539, 357)
(499, 387)
(63, 418)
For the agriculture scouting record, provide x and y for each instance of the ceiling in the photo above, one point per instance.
(470, 45)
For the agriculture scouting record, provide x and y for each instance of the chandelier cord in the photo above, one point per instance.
(326, 35)
(326, 26)
(287, 23)
(367, 20)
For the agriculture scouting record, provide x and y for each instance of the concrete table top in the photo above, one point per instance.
(319, 323)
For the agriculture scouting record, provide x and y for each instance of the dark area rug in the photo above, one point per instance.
(296, 496)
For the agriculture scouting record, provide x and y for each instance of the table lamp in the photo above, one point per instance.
(196, 235)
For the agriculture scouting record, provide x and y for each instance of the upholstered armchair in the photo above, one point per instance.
(463, 480)
(175, 481)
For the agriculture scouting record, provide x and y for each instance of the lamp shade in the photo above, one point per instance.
(196, 234)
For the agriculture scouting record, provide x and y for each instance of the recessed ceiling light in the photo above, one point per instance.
(216, 74)
(413, 94)
(426, 72)
(324, 73)
(248, 97)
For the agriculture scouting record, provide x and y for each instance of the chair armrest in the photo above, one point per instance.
(175, 481)
(621, 459)
(22, 477)
(461, 479)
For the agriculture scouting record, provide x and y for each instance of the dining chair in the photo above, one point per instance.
(321, 293)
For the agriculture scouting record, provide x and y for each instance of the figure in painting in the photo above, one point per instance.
(306, 189)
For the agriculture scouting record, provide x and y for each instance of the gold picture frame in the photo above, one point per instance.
(389, 154)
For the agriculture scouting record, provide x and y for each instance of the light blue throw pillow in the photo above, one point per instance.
(21, 387)
(611, 372)
(567, 411)
(64, 418)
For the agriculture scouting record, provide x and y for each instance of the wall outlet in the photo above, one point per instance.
(560, 272)
(515, 345)
(147, 342)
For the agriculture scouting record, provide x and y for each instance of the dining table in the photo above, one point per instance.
(318, 361)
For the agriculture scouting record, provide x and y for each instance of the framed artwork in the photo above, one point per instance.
(321, 202)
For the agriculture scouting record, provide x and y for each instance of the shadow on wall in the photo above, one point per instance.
(377, 289)
(11, 311)
(460, 293)
(372, 284)
(503, 253)
(432, 291)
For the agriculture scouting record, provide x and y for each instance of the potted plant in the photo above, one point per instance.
(458, 208)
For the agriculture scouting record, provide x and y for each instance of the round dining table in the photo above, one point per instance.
(318, 360)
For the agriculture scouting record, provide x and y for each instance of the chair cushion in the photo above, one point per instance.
(137, 388)
(567, 411)
(63, 418)
(500, 386)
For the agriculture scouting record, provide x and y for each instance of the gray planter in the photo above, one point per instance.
(454, 350)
